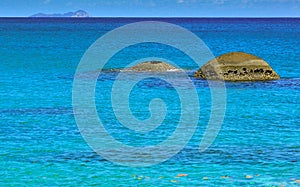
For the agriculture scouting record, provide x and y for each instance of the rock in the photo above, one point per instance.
(237, 66)
(152, 66)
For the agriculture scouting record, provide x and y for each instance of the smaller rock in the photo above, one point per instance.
(152, 66)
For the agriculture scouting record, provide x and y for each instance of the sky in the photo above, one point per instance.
(155, 8)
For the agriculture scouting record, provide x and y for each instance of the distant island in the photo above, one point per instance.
(77, 14)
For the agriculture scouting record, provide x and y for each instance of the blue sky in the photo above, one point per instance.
(156, 8)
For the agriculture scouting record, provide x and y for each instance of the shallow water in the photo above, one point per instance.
(41, 144)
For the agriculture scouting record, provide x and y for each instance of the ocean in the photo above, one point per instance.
(41, 144)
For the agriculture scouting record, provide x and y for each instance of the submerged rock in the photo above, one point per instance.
(152, 66)
(237, 66)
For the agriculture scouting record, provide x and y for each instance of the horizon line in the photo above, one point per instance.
(156, 17)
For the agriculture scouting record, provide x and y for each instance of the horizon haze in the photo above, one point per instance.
(155, 8)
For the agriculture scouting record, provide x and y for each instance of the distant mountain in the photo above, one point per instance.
(77, 14)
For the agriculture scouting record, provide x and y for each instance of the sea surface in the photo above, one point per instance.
(41, 145)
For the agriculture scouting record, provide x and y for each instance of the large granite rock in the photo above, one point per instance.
(152, 66)
(237, 66)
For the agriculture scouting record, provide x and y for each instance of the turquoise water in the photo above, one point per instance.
(42, 146)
